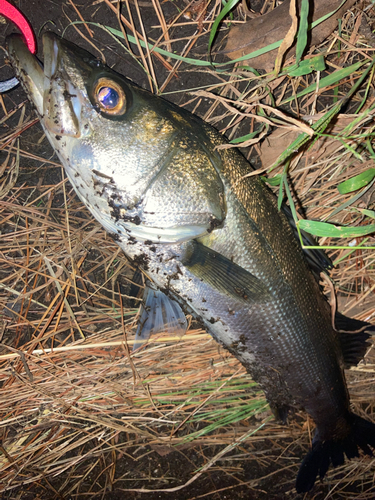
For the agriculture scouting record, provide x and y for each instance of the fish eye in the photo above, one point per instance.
(110, 97)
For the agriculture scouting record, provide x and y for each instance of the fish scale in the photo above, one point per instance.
(209, 237)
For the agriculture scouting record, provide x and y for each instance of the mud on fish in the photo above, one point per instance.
(211, 241)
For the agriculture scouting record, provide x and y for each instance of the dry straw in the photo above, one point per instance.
(75, 400)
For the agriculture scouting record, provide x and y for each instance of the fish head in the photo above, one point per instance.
(141, 167)
(59, 88)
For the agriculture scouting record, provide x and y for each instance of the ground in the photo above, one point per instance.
(71, 410)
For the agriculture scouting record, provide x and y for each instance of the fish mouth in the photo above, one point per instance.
(28, 69)
(56, 88)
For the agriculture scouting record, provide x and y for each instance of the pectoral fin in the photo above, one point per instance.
(224, 275)
(158, 314)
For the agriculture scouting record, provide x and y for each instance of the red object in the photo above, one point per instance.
(14, 15)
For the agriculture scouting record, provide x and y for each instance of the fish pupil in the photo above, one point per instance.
(108, 97)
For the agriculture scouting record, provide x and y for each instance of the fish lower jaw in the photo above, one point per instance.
(164, 236)
(132, 232)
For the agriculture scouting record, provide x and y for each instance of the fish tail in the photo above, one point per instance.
(327, 452)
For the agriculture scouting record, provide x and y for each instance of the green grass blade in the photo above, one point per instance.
(272, 181)
(246, 137)
(368, 213)
(353, 249)
(357, 182)
(368, 89)
(324, 229)
(198, 62)
(322, 19)
(323, 122)
(329, 80)
(280, 196)
(370, 148)
(303, 138)
(307, 66)
(188, 60)
(276, 45)
(227, 416)
(131, 38)
(302, 30)
(349, 202)
(227, 8)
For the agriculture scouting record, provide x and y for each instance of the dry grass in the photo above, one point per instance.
(75, 400)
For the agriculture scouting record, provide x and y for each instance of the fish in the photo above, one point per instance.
(209, 238)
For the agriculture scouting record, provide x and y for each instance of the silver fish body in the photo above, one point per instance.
(209, 237)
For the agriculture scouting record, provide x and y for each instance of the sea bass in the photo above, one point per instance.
(211, 240)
